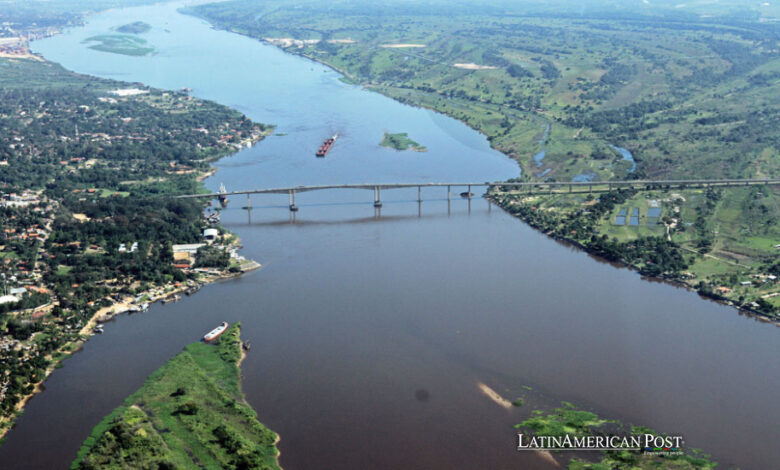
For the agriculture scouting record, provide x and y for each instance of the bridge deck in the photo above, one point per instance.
(529, 184)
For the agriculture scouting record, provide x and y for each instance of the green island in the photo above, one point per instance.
(401, 141)
(189, 413)
(120, 44)
(87, 229)
(136, 27)
(567, 419)
(691, 90)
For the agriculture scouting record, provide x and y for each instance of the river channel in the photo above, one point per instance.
(371, 330)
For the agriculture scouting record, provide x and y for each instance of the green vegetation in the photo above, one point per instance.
(687, 94)
(136, 27)
(401, 141)
(120, 44)
(569, 420)
(692, 90)
(189, 413)
(718, 241)
(91, 167)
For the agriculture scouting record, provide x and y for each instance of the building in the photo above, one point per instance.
(191, 248)
(8, 299)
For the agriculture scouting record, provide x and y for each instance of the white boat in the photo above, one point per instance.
(216, 332)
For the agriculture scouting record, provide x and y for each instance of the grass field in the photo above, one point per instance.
(190, 413)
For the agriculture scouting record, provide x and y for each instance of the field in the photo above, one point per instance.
(189, 413)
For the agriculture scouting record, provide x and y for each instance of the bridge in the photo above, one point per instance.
(530, 187)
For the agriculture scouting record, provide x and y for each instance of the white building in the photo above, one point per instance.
(7, 299)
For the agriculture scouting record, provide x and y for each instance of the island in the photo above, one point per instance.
(189, 413)
(119, 44)
(567, 420)
(400, 142)
(136, 27)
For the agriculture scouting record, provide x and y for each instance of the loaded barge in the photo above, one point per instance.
(326, 146)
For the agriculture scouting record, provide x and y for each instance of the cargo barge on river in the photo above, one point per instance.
(326, 146)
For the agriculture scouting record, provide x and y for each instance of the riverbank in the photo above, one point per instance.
(116, 259)
(651, 256)
(761, 303)
(196, 396)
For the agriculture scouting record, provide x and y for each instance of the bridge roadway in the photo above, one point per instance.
(530, 186)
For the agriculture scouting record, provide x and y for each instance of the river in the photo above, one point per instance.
(371, 330)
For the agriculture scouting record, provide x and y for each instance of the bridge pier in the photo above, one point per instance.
(377, 197)
(419, 194)
(570, 188)
(293, 207)
(448, 193)
(468, 190)
(610, 186)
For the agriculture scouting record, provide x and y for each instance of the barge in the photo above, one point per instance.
(326, 146)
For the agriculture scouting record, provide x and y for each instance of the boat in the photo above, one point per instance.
(216, 332)
(467, 194)
(99, 329)
(326, 146)
(223, 200)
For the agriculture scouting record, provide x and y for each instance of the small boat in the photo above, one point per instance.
(216, 332)
(99, 329)
(466, 194)
(144, 307)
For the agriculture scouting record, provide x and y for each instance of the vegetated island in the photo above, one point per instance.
(568, 420)
(136, 27)
(119, 44)
(190, 413)
(400, 142)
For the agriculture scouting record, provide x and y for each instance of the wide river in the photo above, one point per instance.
(371, 332)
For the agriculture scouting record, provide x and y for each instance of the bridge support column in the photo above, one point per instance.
(293, 207)
(248, 202)
(419, 193)
(448, 194)
(377, 197)
(610, 186)
(469, 193)
(570, 188)
(590, 188)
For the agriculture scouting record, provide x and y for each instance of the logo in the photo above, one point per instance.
(647, 443)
